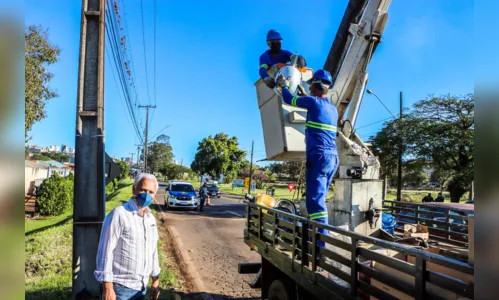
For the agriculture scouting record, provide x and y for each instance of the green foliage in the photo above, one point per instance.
(173, 171)
(125, 171)
(60, 157)
(38, 54)
(159, 154)
(219, 155)
(55, 195)
(438, 131)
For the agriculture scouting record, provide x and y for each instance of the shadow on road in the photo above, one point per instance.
(207, 296)
(221, 211)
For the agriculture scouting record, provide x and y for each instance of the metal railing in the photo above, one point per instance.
(289, 242)
(445, 224)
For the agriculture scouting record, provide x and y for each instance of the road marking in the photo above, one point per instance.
(234, 213)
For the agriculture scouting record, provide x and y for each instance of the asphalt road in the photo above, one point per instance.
(214, 242)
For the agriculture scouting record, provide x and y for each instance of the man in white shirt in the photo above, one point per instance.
(128, 248)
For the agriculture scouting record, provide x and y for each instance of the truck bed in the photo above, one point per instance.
(351, 266)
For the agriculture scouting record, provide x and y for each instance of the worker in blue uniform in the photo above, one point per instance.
(275, 55)
(320, 139)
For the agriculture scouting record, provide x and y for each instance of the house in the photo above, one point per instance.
(34, 174)
(55, 167)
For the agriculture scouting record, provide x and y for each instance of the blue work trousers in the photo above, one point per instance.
(321, 168)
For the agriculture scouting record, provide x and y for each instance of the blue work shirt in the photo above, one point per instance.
(267, 60)
(322, 116)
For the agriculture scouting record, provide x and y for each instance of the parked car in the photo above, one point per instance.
(181, 194)
(213, 190)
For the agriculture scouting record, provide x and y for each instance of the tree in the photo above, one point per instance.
(39, 53)
(159, 154)
(441, 129)
(219, 155)
(125, 170)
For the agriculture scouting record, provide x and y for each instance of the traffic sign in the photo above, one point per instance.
(291, 187)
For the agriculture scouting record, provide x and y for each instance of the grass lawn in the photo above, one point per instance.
(48, 252)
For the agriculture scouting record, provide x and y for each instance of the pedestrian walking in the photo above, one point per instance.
(128, 248)
(203, 195)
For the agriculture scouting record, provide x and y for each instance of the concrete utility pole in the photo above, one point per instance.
(251, 167)
(399, 165)
(89, 187)
(147, 107)
(138, 153)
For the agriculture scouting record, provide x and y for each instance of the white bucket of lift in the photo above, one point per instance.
(293, 78)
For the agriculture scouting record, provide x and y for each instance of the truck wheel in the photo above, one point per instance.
(282, 289)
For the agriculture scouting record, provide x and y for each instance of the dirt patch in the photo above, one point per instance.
(173, 252)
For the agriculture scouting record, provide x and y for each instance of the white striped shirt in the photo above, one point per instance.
(128, 247)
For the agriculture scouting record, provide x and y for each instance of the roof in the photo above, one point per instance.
(51, 164)
(33, 164)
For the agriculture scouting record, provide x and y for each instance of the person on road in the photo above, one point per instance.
(128, 248)
(428, 198)
(320, 139)
(203, 195)
(276, 55)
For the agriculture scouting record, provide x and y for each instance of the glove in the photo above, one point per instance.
(280, 81)
(269, 82)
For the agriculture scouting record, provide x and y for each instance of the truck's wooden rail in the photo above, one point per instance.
(289, 243)
(445, 223)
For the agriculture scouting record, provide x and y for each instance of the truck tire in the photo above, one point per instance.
(282, 289)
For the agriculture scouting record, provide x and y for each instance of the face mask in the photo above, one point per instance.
(144, 199)
(275, 48)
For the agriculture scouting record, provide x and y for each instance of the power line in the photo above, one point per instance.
(154, 58)
(115, 39)
(144, 46)
(373, 123)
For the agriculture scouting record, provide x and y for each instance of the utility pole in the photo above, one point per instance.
(147, 107)
(182, 162)
(251, 167)
(399, 165)
(89, 183)
(132, 156)
(138, 153)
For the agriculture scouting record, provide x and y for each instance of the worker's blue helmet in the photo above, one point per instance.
(321, 76)
(273, 35)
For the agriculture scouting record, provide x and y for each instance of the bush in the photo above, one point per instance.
(55, 195)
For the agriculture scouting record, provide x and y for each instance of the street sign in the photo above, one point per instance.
(246, 182)
(112, 169)
(291, 187)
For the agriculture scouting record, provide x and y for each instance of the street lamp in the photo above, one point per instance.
(370, 92)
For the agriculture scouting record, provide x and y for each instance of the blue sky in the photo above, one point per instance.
(207, 63)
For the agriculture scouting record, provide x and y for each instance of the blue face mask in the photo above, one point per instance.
(144, 199)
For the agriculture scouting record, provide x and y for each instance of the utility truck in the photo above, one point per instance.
(359, 260)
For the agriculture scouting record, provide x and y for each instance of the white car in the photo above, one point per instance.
(181, 194)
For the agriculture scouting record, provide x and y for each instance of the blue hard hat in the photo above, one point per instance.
(273, 35)
(323, 76)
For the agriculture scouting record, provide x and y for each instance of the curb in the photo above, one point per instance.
(191, 273)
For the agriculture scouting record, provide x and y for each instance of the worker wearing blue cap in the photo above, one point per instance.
(275, 55)
(320, 139)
